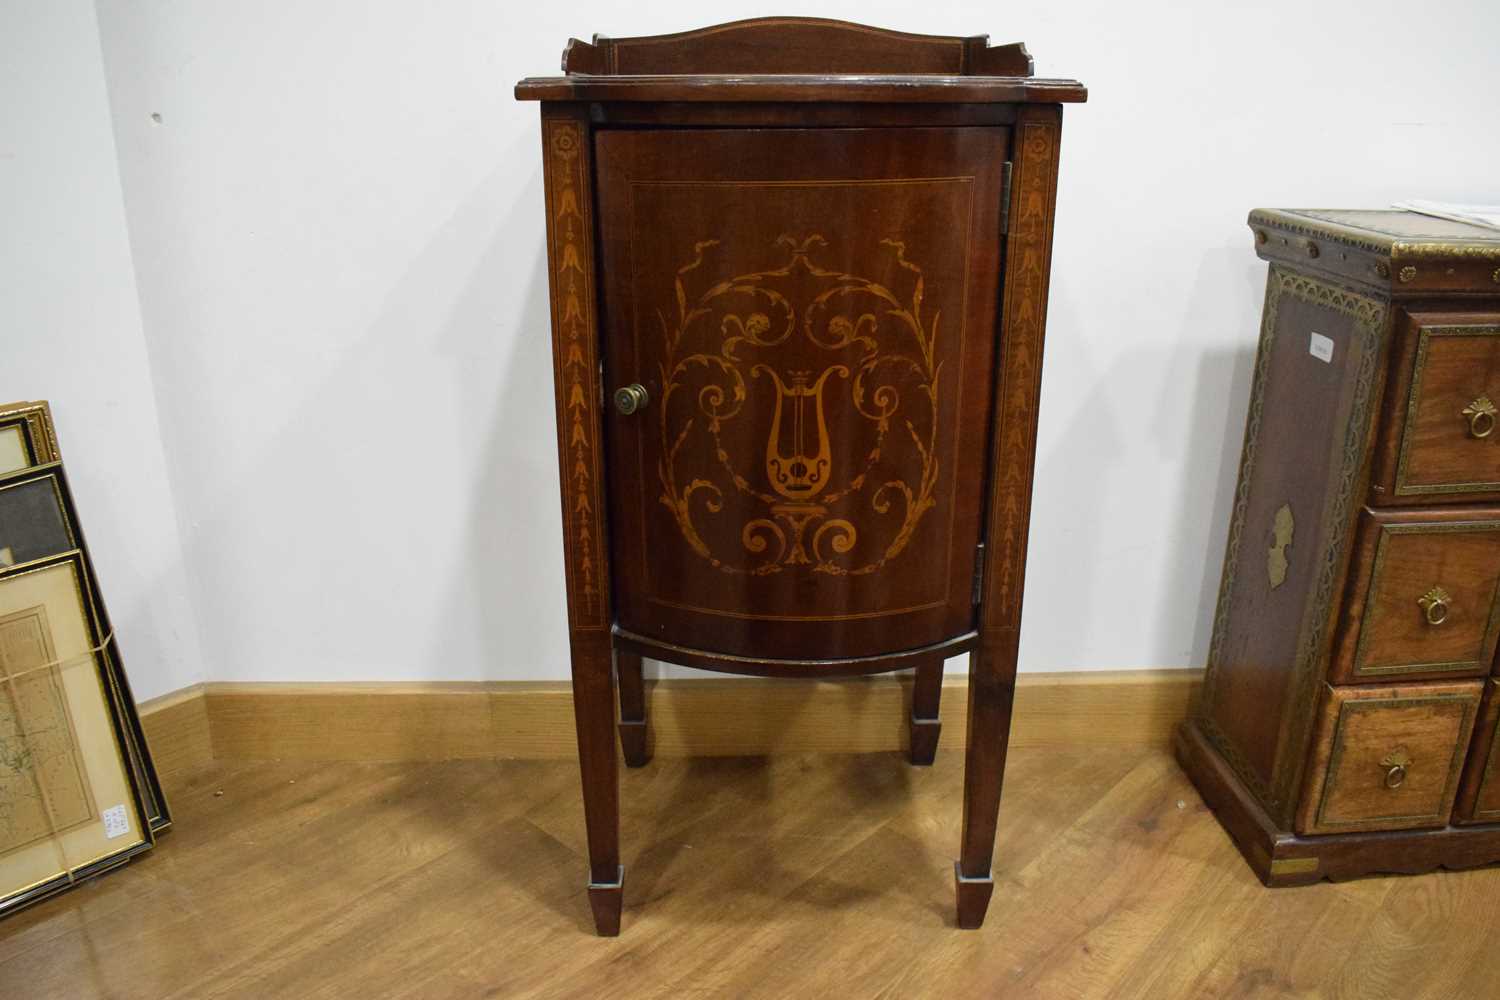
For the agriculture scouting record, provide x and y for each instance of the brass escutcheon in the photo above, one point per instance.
(1282, 530)
(1481, 414)
(1435, 605)
(630, 398)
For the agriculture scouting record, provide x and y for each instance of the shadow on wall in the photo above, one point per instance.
(1069, 486)
(1221, 399)
(351, 464)
(1087, 474)
(1207, 444)
(511, 573)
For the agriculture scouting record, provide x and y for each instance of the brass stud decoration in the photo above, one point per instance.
(1312, 249)
(1382, 269)
(1407, 274)
(1436, 604)
(1481, 414)
(1495, 277)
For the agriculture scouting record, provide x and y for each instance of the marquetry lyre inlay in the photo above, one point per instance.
(804, 499)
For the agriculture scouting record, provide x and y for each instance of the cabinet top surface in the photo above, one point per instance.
(1398, 253)
(1381, 230)
(791, 59)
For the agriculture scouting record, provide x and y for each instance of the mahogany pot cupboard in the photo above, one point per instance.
(1348, 722)
(798, 279)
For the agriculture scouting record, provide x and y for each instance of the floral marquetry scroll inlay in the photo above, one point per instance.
(575, 357)
(812, 497)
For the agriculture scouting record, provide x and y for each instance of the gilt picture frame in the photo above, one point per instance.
(27, 437)
(71, 805)
(38, 519)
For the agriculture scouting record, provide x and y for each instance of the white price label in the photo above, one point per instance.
(1321, 347)
(116, 822)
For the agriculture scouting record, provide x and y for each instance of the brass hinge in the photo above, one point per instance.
(978, 573)
(1005, 198)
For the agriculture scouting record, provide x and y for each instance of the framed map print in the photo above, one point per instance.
(38, 519)
(70, 803)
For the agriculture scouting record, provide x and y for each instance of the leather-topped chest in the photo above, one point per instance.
(1351, 681)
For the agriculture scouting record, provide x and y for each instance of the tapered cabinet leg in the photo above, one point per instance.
(992, 670)
(926, 692)
(992, 676)
(567, 146)
(634, 734)
(594, 712)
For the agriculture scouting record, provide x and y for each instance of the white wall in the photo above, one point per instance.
(72, 327)
(337, 232)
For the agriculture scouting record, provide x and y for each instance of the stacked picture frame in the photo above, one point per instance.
(79, 793)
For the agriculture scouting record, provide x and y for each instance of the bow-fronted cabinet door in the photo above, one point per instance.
(799, 336)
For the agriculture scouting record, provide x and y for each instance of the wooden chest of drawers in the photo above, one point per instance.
(1348, 723)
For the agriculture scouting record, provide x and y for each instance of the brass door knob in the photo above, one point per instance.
(630, 398)
(1435, 605)
(1481, 414)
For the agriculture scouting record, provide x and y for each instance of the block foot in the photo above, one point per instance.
(973, 896)
(605, 899)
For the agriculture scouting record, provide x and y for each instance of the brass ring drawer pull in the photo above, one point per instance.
(1481, 414)
(1436, 604)
(1396, 763)
(631, 398)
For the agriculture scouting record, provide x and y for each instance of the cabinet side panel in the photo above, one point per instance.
(1306, 439)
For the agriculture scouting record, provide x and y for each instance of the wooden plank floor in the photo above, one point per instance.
(801, 876)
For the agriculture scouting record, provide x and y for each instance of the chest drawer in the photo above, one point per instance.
(1424, 596)
(1388, 758)
(1443, 441)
